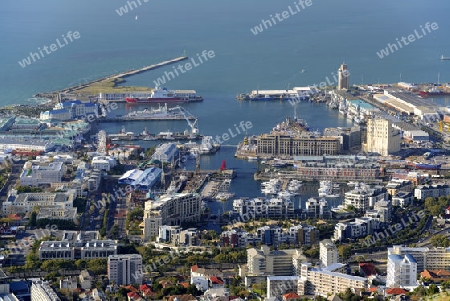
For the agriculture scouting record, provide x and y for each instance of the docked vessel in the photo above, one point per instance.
(161, 113)
(162, 95)
(433, 92)
(296, 94)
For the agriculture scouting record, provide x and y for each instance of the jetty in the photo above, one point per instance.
(56, 95)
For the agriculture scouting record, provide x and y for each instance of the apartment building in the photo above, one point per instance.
(35, 174)
(263, 208)
(274, 263)
(360, 228)
(363, 197)
(125, 269)
(170, 210)
(42, 291)
(422, 192)
(328, 253)
(327, 281)
(426, 258)
(401, 271)
(317, 208)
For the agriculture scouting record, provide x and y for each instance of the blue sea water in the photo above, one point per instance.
(317, 40)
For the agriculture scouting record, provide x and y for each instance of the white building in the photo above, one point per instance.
(41, 291)
(25, 144)
(328, 253)
(363, 197)
(401, 271)
(317, 208)
(382, 138)
(165, 152)
(36, 174)
(360, 228)
(125, 269)
(327, 281)
(170, 210)
(103, 162)
(25, 202)
(422, 192)
(262, 207)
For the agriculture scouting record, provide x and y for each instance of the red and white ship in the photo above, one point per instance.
(162, 95)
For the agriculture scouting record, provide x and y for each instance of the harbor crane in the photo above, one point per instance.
(191, 120)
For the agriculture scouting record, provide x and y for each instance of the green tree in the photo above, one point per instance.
(345, 251)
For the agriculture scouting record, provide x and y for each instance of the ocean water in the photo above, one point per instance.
(303, 49)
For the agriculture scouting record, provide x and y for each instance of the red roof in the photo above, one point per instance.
(184, 284)
(216, 280)
(131, 288)
(14, 216)
(368, 269)
(194, 268)
(396, 291)
(373, 289)
(290, 296)
(133, 295)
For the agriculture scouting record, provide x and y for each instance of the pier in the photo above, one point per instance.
(55, 94)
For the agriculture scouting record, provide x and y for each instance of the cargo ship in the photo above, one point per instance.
(162, 95)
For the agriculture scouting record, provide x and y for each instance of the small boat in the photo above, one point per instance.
(251, 158)
(443, 58)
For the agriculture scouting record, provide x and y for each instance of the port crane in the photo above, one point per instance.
(191, 120)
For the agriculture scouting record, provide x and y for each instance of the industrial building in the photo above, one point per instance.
(141, 180)
(382, 138)
(166, 153)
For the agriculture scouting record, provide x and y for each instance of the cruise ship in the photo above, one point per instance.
(162, 95)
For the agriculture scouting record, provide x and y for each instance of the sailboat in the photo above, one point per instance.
(136, 17)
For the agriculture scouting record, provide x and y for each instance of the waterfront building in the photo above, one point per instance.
(69, 110)
(141, 180)
(42, 291)
(35, 174)
(328, 253)
(364, 197)
(263, 208)
(170, 210)
(401, 271)
(325, 281)
(270, 235)
(343, 75)
(301, 145)
(317, 208)
(422, 192)
(351, 136)
(166, 153)
(382, 138)
(125, 269)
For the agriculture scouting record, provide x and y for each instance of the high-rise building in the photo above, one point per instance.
(382, 138)
(328, 253)
(343, 75)
(125, 269)
(401, 271)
